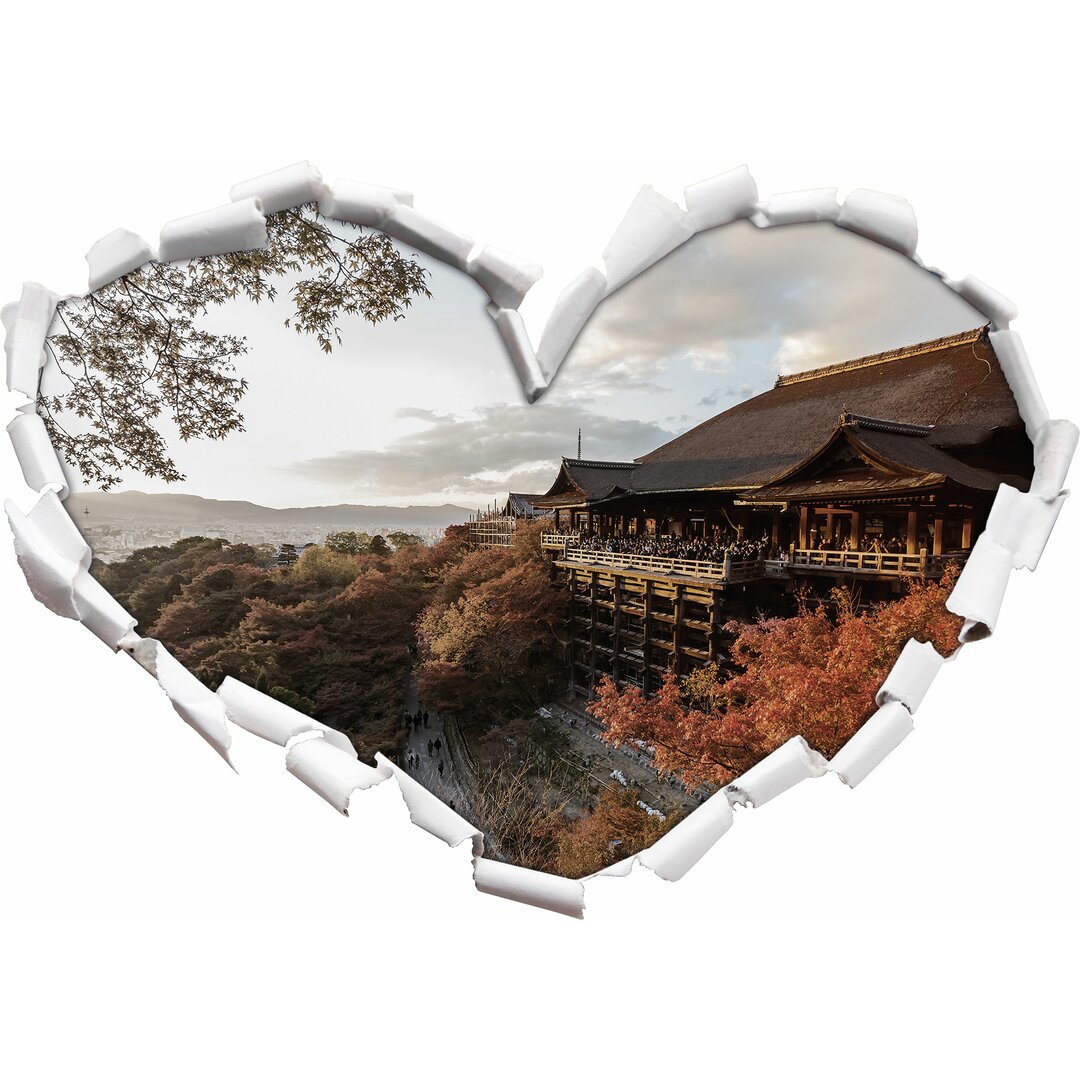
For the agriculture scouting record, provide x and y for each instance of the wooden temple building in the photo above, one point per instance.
(867, 471)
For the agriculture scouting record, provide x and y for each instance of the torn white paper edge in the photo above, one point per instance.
(330, 772)
(238, 226)
(915, 669)
(512, 330)
(652, 227)
(271, 719)
(885, 219)
(282, 189)
(199, 707)
(1012, 357)
(786, 766)
(572, 311)
(797, 207)
(27, 325)
(58, 530)
(37, 458)
(1021, 523)
(980, 588)
(872, 743)
(54, 560)
(115, 255)
(686, 842)
(412, 228)
(1000, 310)
(562, 895)
(55, 570)
(721, 199)
(504, 277)
(1055, 445)
(430, 812)
(362, 204)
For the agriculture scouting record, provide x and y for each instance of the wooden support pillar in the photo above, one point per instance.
(593, 589)
(913, 532)
(774, 536)
(804, 526)
(616, 637)
(939, 534)
(856, 529)
(965, 536)
(714, 627)
(679, 634)
(646, 639)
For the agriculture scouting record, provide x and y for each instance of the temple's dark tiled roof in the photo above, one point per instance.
(521, 505)
(955, 385)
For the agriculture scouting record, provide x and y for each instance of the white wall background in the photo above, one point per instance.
(165, 917)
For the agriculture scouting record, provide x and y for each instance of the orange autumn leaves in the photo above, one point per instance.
(811, 675)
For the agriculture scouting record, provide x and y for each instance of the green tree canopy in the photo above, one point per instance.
(134, 351)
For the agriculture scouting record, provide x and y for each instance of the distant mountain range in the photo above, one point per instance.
(191, 510)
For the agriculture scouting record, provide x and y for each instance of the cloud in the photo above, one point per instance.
(822, 293)
(499, 448)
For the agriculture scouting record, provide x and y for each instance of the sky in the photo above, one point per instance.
(428, 409)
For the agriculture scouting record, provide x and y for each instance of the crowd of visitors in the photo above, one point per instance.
(666, 546)
(715, 549)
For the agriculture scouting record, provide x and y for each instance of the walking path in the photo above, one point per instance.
(635, 765)
(452, 784)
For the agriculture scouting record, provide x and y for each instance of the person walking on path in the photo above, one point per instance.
(430, 747)
(438, 744)
(425, 718)
(440, 766)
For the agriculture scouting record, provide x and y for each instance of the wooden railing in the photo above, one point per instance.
(553, 541)
(872, 562)
(729, 570)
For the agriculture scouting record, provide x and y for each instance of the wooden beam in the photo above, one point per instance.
(913, 532)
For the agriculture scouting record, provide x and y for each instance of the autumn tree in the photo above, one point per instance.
(615, 828)
(134, 350)
(490, 637)
(814, 675)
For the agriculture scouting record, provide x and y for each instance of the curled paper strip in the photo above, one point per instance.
(55, 565)
(58, 530)
(330, 772)
(26, 324)
(410, 226)
(1014, 363)
(238, 226)
(559, 894)
(652, 228)
(282, 189)
(572, 311)
(885, 219)
(40, 466)
(271, 719)
(721, 199)
(197, 706)
(1021, 522)
(1055, 445)
(430, 812)
(774, 774)
(911, 675)
(997, 308)
(686, 842)
(796, 207)
(504, 277)
(872, 743)
(362, 204)
(980, 588)
(115, 255)
(512, 330)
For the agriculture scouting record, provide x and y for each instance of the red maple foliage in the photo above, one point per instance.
(813, 675)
